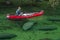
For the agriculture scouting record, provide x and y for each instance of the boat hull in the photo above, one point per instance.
(12, 17)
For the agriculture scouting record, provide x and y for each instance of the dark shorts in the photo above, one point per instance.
(18, 13)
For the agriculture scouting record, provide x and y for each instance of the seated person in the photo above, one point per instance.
(18, 11)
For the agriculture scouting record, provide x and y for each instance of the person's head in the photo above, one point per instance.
(19, 7)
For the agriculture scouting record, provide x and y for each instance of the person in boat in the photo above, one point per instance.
(18, 11)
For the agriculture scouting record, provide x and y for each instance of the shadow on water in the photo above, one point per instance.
(20, 22)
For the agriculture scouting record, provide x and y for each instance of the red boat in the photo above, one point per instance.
(25, 16)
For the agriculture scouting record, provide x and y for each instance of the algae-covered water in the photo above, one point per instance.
(16, 27)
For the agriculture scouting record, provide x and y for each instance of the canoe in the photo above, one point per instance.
(25, 16)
